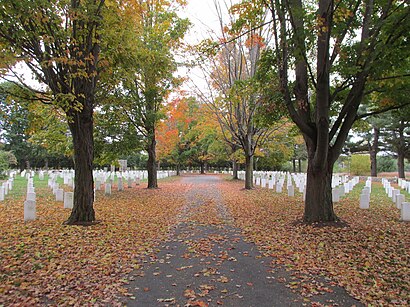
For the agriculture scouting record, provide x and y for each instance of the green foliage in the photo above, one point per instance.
(360, 165)
(7, 159)
(386, 164)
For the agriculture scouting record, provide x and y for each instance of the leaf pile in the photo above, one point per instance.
(369, 256)
(45, 262)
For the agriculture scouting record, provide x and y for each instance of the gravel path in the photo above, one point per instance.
(207, 263)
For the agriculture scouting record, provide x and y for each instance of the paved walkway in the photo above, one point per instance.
(206, 263)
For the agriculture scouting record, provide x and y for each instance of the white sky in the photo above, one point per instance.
(205, 24)
(203, 16)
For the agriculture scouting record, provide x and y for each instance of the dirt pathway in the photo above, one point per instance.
(206, 262)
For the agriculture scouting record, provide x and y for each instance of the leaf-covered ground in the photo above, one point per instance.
(44, 262)
(369, 257)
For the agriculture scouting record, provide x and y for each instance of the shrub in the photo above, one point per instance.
(360, 165)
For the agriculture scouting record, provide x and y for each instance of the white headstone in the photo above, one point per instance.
(341, 190)
(29, 210)
(6, 188)
(31, 196)
(405, 212)
(395, 192)
(366, 190)
(263, 183)
(108, 188)
(56, 186)
(137, 180)
(68, 200)
(364, 201)
(1, 193)
(258, 181)
(270, 184)
(335, 195)
(97, 185)
(120, 184)
(60, 195)
(291, 190)
(129, 182)
(278, 187)
(390, 191)
(346, 187)
(399, 200)
(10, 182)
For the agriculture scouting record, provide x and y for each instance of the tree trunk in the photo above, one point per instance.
(300, 165)
(235, 170)
(248, 171)
(373, 152)
(81, 127)
(294, 165)
(202, 168)
(151, 163)
(400, 164)
(178, 169)
(401, 148)
(318, 203)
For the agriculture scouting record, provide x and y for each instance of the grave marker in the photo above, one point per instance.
(108, 188)
(120, 184)
(399, 200)
(60, 195)
(405, 212)
(335, 195)
(1, 193)
(31, 196)
(291, 190)
(68, 200)
(29, 210)
(364, 201)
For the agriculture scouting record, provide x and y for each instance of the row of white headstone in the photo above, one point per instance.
(397, 198)
(5, 187)
(68, 178)
(341, 184)
(365, 195)
(131, 177)
(30, 202)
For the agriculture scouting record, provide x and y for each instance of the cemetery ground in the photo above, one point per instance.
(199, 243)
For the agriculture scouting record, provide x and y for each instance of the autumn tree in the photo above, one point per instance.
(61, 41)
(326, 55)
(204, 140)
(172, 131)
(147, 72)
(236, 94)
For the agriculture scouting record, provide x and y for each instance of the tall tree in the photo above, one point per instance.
(14, 123)
(396, 134)
(172, 131)
(60, 41)
(236, 93)
(327, 53)
(148, 71)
